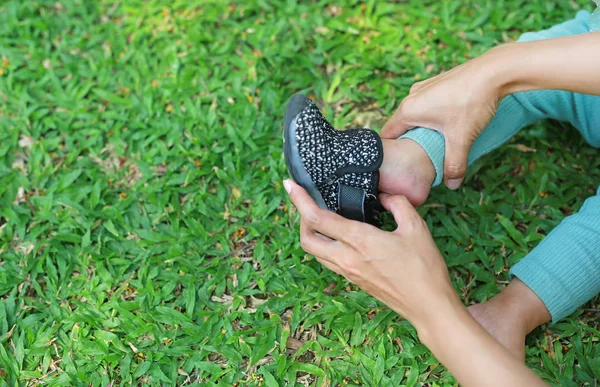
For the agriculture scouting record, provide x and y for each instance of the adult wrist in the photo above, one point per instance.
(438, 318)
(502, 76)
(514, 69)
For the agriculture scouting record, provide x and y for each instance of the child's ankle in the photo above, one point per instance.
(524, 302)
(406, 170)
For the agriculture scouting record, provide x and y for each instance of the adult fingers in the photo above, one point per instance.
(323, 221)
(316, 244)
(397, 125)
(405, 215)
(329, 252)
(416, 86)
(455, 161)
(419, 85)
(331, 266)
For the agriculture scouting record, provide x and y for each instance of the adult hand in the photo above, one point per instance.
(459, 103)
(403, 268)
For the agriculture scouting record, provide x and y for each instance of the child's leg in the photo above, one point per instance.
(559, 275)
(564, 269)
(563, 272)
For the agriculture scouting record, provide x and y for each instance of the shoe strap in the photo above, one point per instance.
(356, 204)
(351, 202)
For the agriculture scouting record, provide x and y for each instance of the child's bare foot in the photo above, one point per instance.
(508, 330)
(406, 170)
(511, 315)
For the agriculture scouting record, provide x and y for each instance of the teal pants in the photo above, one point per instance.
(564, 269)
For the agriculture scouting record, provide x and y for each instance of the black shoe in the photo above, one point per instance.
(339, 169)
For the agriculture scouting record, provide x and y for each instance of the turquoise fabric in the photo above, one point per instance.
(564, 269)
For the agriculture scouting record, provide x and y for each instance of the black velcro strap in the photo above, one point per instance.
(351, 202)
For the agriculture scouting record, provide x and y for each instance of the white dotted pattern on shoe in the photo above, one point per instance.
(324, 150)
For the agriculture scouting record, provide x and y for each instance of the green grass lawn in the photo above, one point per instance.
(145, 236)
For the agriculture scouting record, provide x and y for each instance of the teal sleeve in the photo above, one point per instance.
(434, 144)
(564, 269)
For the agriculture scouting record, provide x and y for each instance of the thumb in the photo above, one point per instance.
(396, 126)
(455, 162)
(405, 215)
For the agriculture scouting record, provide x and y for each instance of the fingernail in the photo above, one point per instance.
(287, 184)
(453, 184)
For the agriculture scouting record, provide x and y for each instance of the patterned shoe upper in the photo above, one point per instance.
(344, 165)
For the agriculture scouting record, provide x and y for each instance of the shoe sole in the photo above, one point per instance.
(295, 106)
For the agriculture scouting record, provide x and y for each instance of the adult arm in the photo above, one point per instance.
(473, 356)
(570, 63)
(460, 103)
(405, 270)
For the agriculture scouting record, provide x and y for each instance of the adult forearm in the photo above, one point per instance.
(569, 63)
(473, 356)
